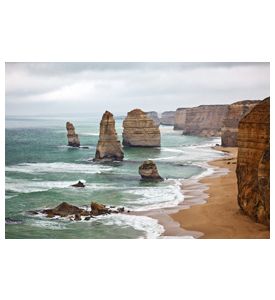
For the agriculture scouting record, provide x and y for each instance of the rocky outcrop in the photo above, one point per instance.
(168, 118)
(139, 130)
(79, 184)
(148, 171)
(73, 139)
(203, 120)
(154, 115)
(76, 213)
(64, 209)
(253, 163)
(236, 111)
(108, 146)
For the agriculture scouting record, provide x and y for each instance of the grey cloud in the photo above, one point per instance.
(82, 87)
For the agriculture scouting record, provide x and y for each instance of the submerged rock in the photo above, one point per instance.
(12, 221)
(79, 184)
(253, 163)
(108, 146)
(73, 139)
(148, 171)
(139, 130)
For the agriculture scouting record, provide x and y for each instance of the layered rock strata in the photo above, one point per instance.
(108, 146)
(168, 118)
(139, 130)
(73, 139)
(154, 115)
(148, 171)
(253, 163)
(236, 111)
(203, 120)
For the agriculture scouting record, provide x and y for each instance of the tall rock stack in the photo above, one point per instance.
(203, 120)
(168, 118)
(73, 139)
(236, 111)
(140, 130)
(253, 163)
(108, 146)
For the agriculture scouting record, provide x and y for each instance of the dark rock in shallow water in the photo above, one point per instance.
(75, 213)
(12, 221)
(148, 171)
(99, 209)
(77, 217)
(79, 184)
(63, 210)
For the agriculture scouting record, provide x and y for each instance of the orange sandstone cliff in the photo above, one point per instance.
(236, 111)
(108, 146)
(139, 130)
(203, 120)
(253, 163)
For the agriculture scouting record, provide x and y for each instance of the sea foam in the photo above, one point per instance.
(58, 167)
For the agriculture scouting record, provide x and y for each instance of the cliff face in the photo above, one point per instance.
(154, 115)
(236, 111)
(204, 120)
(168, 118)
(108, 146)
(73, 139)
(253, 164)
(140, 130)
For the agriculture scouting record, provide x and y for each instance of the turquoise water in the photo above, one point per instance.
(40, 169)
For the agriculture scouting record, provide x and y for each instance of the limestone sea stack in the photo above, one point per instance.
(148, 171)
(108, 146)
(139, 130)
(154, 115)
(168, 118)
(253, 163)
(73, 139)
(236, 111)
(203, 120)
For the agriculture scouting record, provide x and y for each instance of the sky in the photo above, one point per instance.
(87, 88)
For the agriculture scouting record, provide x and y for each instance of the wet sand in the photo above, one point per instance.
(220, 217)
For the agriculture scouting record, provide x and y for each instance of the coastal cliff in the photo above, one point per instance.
(168, 118)
(73, 139)
(139, 130)
(108, 146)
(236, 111)
(154, 115)
(203, 120)
(253, 164)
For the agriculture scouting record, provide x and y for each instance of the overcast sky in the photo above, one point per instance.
(71, 88)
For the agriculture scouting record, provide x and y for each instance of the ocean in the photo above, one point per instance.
(40, 169)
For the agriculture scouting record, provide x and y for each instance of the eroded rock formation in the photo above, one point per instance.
(168, 118)
(140, 130)
(203, 120)
(73, 139)
(148, 171)
(108, 146)
(236, 111)
(154, 115)
(253, 163)
(76, 213)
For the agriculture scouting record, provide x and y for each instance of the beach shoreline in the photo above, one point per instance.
(219, 216)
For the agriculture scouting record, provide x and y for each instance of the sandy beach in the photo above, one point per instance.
(220, 216)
